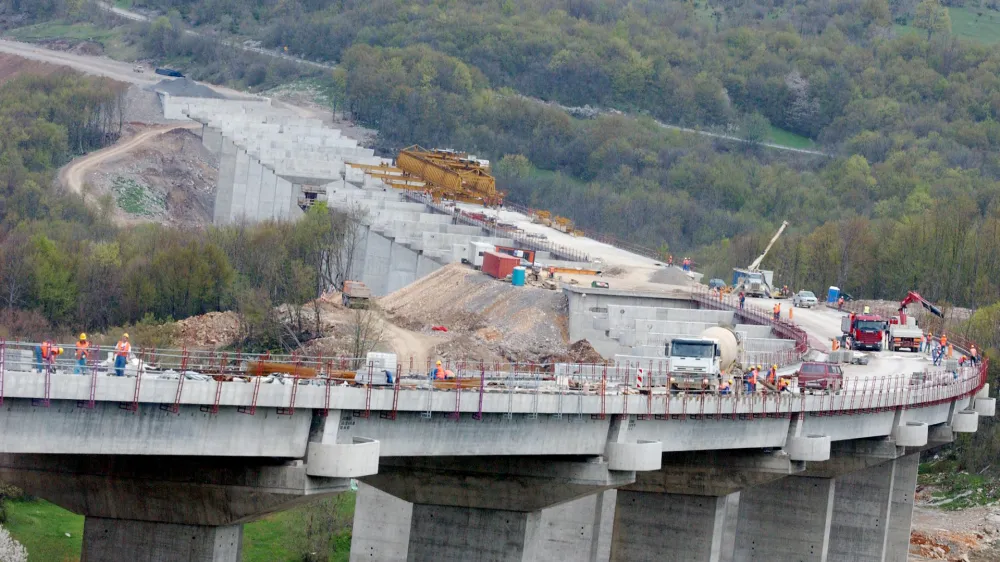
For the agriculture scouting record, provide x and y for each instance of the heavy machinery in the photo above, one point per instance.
(753, 281)
(449, 174)
(356, 294)
(862, 331)
(903, 330)
(700, 363)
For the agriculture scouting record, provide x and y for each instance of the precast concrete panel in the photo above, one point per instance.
(254, 176)
(283, 193)
(64, 428)
(402, 266)
(413, 435)
(240, 185)
(222, 212)
(265, 204)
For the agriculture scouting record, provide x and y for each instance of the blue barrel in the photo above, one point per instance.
(832, 294)
(517, 277)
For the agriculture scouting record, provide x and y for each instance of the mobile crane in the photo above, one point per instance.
(903, 330)
(752, 280)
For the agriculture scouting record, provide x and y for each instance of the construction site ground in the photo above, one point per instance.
(966, 535)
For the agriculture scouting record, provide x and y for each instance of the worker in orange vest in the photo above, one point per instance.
(777, 311)
(772, 374)
(45, 355)
(82, 353)
(122, 350)
(783, 385)
(944, 340)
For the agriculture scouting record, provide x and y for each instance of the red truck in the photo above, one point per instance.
(863, 331)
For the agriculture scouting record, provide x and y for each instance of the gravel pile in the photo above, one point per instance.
(516, 323)
(186, 88)
(670, 275)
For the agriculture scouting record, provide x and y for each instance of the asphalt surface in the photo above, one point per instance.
(822, 324)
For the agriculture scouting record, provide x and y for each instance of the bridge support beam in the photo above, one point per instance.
(165, 509)
(107, 540)
(668, 527)
(682, 511)
(495, 508)
(904, 485)
(785, 520)
(860, 526)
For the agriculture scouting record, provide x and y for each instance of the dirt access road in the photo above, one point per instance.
(72, 175)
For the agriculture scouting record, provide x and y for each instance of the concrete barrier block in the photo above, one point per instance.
(343, 460)
(814, 448)
(641, 455)
(986, 407)
(965, 421)
(911, 434)
(984, 392)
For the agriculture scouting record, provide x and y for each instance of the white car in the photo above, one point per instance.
(804, 299)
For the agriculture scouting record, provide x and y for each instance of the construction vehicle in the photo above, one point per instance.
(862, 331)
(169, 72)
(903, 330)
(753, 281)
(356, 294)
(700, 363)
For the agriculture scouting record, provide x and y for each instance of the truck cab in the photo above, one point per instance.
(863, 331)
(692, 360)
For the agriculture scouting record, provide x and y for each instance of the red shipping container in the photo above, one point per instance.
(499, 265)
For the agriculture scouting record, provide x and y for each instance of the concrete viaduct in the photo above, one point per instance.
(581, 468)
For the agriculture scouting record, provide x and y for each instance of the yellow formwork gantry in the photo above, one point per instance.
(450, 174)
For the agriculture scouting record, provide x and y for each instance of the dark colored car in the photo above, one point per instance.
(169, 72)
(822, 376)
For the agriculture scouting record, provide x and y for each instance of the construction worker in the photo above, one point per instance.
(835, 344)
(437, 372)
(82, 353)
(122, 350)
(930, 342)
(973, 354)
(866, 310)
(725, 387)
(772, 375)
(944, 340)
(45, 355)
(840, 303)
(777, 311)
(552, 275)
(783, 385)
(743, 299)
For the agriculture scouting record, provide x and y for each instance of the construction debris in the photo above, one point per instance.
(214, 329)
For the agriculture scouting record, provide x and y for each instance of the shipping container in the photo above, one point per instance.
(499, 265)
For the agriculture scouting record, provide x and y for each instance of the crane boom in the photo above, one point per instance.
(756, 263)
(912, 297)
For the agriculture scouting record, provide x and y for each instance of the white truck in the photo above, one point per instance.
(702, 361)
(905, 336)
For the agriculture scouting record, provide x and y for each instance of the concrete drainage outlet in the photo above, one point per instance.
(986, 407)
(966, 421)
(815, 448)
(642, 455)
(912, 434)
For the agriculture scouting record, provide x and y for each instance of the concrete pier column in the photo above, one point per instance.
(860, 525)
(381, 528)
(440, 533)
(785, 520)
(111, 540)
(904, 485)
(668, 527)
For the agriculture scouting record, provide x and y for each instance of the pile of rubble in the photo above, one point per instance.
(214, 329)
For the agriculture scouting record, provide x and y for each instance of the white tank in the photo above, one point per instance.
(729, 345)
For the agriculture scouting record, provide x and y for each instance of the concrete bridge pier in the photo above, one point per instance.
(484, 508)
(686, 510)
(165, 509)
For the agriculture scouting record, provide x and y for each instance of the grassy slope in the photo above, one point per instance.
(41, 527)
(786, 138)
(967, 25)
(112, 40)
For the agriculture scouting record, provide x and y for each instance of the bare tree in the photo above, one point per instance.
(348, 235)
(13, 270)
(367, 331)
